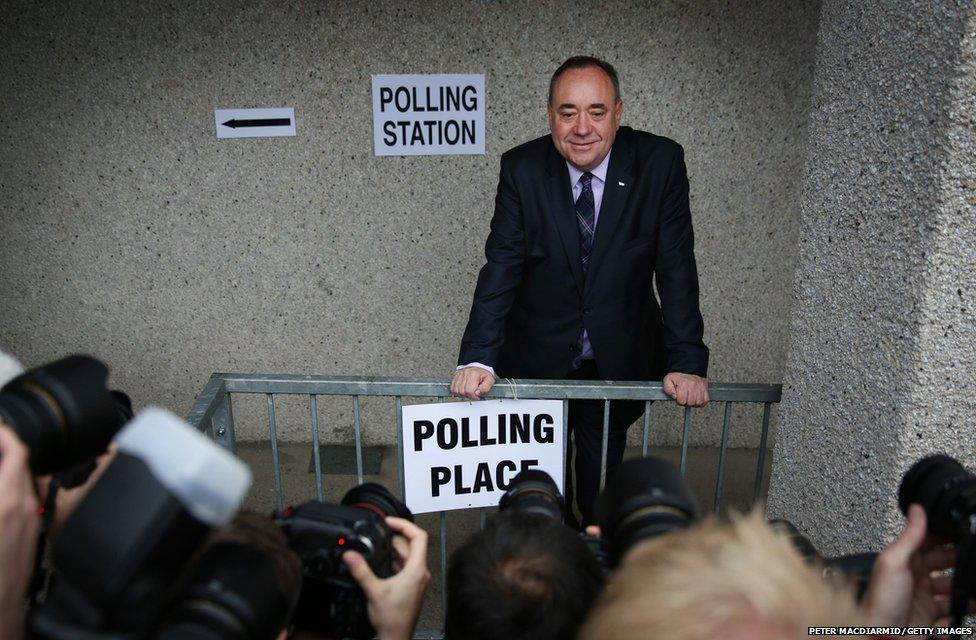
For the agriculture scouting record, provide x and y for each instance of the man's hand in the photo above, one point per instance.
(902, 590)
(19, 524)
(472, 382)
(394, 603)
(687, 389)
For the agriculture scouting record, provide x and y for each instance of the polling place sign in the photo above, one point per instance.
(426, 115)
(458, 455)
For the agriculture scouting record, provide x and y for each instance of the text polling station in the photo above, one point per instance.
(421, 115)
(458, 455)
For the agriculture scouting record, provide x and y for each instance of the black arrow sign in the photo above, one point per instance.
(266, 122)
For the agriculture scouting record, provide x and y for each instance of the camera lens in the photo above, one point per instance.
(378, 499)
(945, 490)
(231, 594)
(644, 498)
(63, 412)
(534, 491)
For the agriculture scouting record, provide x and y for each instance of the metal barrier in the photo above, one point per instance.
(213, 414)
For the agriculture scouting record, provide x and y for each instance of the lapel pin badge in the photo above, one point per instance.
(621, 184)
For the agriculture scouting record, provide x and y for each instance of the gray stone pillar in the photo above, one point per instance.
(882, 364)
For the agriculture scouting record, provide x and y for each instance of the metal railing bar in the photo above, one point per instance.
(201, 415)
(684, 441)
(720, 476)
(398, 407)
(358, 428)
(273, 428)
(647, 428)
(439, 388)
(313, 403)
(567, 461)
(444, 566)
(221, 426)
(604, 444)
(762, 452)
(212, 412)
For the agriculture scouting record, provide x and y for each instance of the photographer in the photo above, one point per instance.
(526, 576)
(29, 404)
(738, 580)
(394, 603)
(19, 524)
(244, 582)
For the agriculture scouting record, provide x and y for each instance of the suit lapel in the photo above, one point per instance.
(615, 191)
(563, 212)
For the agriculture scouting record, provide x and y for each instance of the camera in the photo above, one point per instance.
(644, 498)
(534, 491)
(63, 412)
(232, 594)
(946, 491)
(332, 604)
(120, 551)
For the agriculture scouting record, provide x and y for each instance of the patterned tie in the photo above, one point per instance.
(586, 218)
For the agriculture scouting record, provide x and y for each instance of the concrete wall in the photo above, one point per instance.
(883, 338)
(128, 231)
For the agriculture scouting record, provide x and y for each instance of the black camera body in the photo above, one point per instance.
(332, 604)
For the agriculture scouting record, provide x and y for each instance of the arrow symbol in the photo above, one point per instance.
(234, 123)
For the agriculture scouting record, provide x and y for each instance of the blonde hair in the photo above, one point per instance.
(715, 577)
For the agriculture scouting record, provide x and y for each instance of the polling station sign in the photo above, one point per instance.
(458, 455)
(426, 115)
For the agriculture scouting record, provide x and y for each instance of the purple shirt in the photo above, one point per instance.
(597, 184)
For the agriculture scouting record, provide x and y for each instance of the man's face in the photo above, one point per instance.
(583, 116)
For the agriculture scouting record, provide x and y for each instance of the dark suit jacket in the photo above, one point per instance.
(532, 301)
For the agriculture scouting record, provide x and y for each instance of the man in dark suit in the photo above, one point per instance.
(585, 220)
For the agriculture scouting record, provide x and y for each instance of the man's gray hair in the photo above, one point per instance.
(583, 62)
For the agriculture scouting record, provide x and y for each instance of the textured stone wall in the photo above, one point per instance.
(883, 339)
(130, 232)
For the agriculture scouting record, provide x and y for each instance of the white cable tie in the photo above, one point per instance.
(514, 388)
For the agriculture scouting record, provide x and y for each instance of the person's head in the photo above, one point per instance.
(524, 576)
(719, 580)
(584, 110)
(249, 549)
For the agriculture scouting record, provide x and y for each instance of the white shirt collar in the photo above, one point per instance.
(600, 171)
